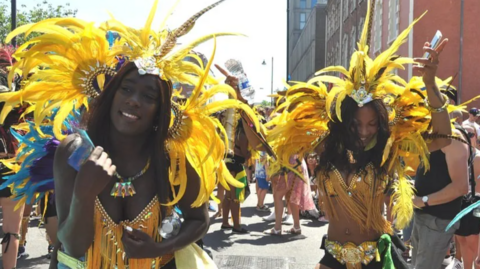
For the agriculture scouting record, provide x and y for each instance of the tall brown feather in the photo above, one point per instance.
(172, 37)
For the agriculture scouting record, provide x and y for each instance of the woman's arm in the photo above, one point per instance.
(75, 215)
(196, 220)
(476, 169)
(75, 194)
(436, 101)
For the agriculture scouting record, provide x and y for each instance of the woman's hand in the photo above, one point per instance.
(428, 66)
(233, 82)
(139, 245)
(94, 175)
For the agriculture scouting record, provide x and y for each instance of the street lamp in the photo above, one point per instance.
(271, 85)
(14, 20)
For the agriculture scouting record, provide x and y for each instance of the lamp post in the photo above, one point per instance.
(14, 20)
(271, 83)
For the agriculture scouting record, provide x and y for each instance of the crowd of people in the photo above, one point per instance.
(123, 166)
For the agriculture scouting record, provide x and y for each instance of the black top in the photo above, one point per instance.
(433, 181)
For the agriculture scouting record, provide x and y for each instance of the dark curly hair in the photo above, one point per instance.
(98, 124)
(344, 136)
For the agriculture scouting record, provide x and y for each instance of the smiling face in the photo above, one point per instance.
(135, 104)
(366, 122)
(312, 159)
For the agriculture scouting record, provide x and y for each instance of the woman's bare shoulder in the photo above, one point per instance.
(67, 147)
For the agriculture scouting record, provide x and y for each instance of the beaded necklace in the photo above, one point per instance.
(125, 187)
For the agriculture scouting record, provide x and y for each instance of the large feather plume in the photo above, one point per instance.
(200, 144)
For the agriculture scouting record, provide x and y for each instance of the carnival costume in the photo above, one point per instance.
(303, 125)
(72, 61)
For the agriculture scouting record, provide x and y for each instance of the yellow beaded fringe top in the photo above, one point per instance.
(362, 198)
(107, 252)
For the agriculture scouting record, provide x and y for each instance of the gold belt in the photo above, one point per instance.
(352, 255)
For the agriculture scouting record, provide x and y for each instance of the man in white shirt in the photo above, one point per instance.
(473, 115)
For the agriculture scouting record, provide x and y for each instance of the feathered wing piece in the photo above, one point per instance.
(68, 65)
(301, 123)
(196, 139)
(33, 164)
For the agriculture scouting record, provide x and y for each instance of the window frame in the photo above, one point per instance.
(302, 2)
(300, 20)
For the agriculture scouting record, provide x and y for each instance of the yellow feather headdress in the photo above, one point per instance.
(308, 108)
(72, 61)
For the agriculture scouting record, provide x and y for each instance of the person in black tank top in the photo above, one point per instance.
(439, 195)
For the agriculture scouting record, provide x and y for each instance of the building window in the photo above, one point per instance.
(303, 4)
(314, 2)
(378, 26)
(303, 20)
(352, 5)
(393, 12)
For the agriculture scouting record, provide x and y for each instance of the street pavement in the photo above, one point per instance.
(252, 251)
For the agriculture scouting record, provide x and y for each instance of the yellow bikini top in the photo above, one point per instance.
(107, 252)
(356, 198)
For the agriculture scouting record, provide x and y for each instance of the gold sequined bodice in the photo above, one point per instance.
(106, 251)
(362, 198)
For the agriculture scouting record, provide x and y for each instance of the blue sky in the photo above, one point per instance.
(263, 21)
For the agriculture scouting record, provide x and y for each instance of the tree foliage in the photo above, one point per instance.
(265, 103)
(34, 11)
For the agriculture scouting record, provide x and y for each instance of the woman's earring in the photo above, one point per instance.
(155, 128)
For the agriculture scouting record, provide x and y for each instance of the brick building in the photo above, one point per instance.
(446, 16)
(457, 21)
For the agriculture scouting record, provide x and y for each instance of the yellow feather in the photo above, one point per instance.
(148, 24)
(402, 202)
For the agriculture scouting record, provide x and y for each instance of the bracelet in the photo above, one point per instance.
(439, 109)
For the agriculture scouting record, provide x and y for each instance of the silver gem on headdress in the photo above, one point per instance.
(147, 66)
(361, 96)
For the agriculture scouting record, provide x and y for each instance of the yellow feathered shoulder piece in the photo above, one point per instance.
(301, 121)
(196, 137)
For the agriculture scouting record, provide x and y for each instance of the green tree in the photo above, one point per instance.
(34, 11)
(265, 103)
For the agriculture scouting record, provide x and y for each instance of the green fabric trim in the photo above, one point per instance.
(385, 249)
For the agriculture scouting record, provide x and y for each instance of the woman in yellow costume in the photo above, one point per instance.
(149, 153)
(361, 129)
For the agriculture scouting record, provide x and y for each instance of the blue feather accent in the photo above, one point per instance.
(460, 215)
(35, 177)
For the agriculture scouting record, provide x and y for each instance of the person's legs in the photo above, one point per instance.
(220, 196)
(261, 197)
(24, 228)
(469, 249)
(226, 206)
(295, 211)
(430, 241)
(278, 202)
(459, 241)
(235, 209)
(262, 188)
(11, 228)
(477, 259)
(51, 226)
